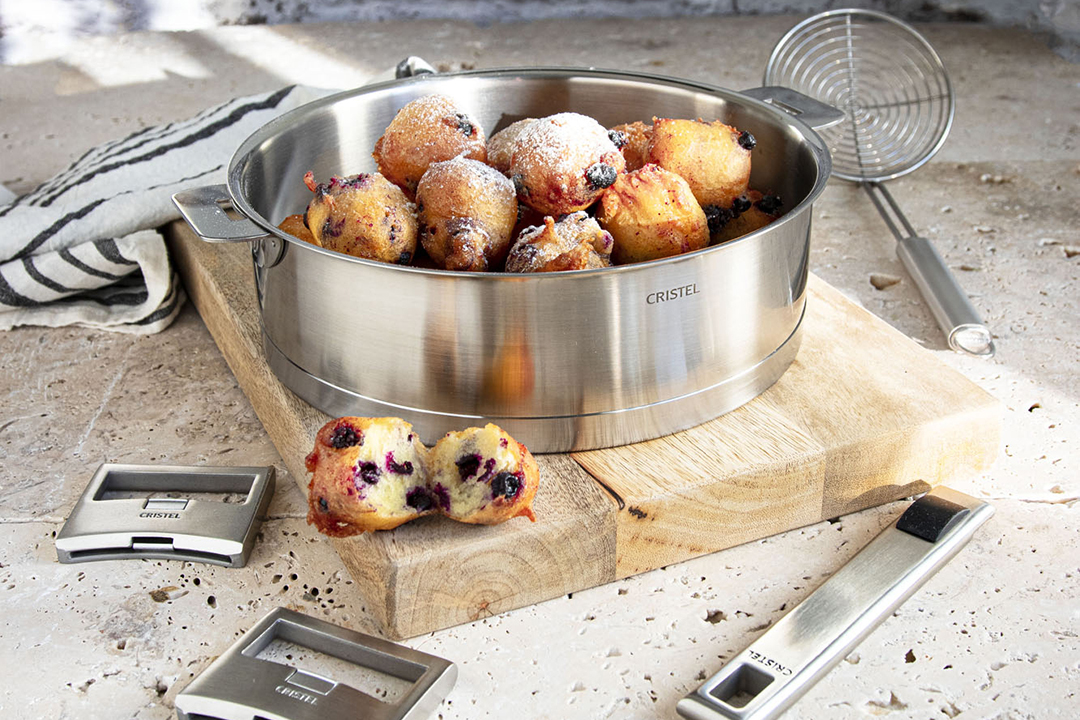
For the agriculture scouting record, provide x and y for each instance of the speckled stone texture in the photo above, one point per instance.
(28, 35)
(995, 635)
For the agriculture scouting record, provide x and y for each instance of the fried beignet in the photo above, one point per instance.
(651, 213)
(427, 130)
(500, 146)
(367, 474)
(637, 136)
(467, 212)
(483, 476)
(563, 163)
(576, 242)
(748, 213)
(295, 226)
(712, 157)
(364, 215)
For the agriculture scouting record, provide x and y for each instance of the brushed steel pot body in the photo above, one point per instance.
(562, 361)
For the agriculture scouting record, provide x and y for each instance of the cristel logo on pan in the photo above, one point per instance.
(296, 694)
(671, 294)
(160, 515)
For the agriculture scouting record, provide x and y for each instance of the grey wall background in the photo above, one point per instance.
(33, 30)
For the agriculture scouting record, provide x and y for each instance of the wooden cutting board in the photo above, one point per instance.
(863, 416)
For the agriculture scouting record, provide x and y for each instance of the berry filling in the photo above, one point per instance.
(717, 217)
(601, 175)
(740, 205)
(344, 436)
(323, 506)
(506, 484)
(333, 229)
(419, 499)
(489, 465)
(467, 465)
(355, 181)
(770, 204)
(368, 472)
(404, 257)
(442, 495)
(747, 141)
(618, 138)
(463, 124)
(520, 187)
(405, 468)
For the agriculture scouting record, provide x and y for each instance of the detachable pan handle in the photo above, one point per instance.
(781, 665)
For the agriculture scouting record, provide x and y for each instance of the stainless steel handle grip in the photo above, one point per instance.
(952, 310)
(775, 670)
(202, 209)
(954, 313)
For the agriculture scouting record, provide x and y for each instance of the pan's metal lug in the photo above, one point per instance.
(202, 208)
(413, 66)
(776, 669)
(268, 251)
(170, 528)
(813, 112)
(240, 686)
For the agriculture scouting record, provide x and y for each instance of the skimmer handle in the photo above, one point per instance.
(954, 313)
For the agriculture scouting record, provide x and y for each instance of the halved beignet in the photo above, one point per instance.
(483, 476)
(367, 474)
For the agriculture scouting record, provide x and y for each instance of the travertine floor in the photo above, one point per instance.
(995, 635)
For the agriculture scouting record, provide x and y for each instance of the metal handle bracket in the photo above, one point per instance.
(813, 112)
(101, 528)
(239, 685)
(202, 209)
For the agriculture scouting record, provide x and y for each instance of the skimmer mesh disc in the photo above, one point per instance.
(885, 77)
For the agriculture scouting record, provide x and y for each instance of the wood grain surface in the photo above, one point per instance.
(863, 416)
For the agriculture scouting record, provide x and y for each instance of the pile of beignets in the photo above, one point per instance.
(541, 195)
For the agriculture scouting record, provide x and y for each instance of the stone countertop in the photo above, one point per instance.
(996, 635)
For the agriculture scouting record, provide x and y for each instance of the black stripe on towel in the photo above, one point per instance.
(56, 227)
(108, 249)
(79, 264)
(9, 297)
(38, 277)
(162, 312)
(213, 128)
(124, 298)
(160, 132)
(103, 151)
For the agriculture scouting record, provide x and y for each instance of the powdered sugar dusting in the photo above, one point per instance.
(573, 243)
(500, 146)
(563, 143)
(480, 178)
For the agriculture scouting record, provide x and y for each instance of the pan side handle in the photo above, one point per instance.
(203, 210)
(813, 112)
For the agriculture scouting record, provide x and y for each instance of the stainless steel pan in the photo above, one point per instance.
(562, 361)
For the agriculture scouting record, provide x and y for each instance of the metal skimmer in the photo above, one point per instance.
(899, 106)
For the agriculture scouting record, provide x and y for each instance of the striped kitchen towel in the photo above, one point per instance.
(83, 249)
